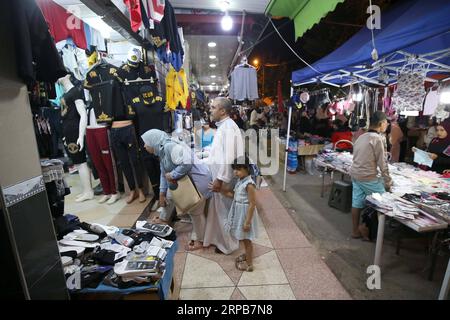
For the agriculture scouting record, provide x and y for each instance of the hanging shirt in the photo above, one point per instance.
(141, 71)
(103, 83)
(430, 103)
(69, 112)
(149, 117)
(156, 9)
(62, 24)
(36, 54)
(244, 84)
(410, 92)
(176, 92)
(134, 8)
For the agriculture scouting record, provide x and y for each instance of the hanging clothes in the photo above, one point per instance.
(62, 24)
(176, 92)
(134, 8)
(36, 54)
(94, 38)
(244, 83)
(430, 103)
(410, 92)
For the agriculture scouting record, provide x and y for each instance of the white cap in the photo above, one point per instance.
(134, 56)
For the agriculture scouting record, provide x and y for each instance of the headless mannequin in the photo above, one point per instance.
(137, 192)
(83, 169)
(108, 198)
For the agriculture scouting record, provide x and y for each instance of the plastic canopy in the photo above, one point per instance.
(412, 32)
(305, 13)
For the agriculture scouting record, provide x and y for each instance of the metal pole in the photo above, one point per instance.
(287, 142)
(380, 238)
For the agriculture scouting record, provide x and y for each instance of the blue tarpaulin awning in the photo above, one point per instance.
(413, 31)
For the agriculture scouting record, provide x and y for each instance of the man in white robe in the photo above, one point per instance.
(226, 147)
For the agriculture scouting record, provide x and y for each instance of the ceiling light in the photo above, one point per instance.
(212, 44)
(213, 76)
(212, 65)
(256, 62)
(213, 84)
(212, 56)
(227, 22)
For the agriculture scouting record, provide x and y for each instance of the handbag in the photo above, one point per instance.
(185, 196)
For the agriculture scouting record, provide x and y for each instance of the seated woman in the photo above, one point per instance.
(439, 148)
(176, 161)
(341, 132)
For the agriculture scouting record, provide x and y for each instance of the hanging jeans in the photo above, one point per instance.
(98, 146)
(151, 165)
(125, 148)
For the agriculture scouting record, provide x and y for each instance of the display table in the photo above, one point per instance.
(162, 288)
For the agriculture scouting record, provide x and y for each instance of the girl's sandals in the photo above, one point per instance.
(241, 258)
(243, 266)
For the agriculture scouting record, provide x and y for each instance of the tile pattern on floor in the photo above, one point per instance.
(286, 266)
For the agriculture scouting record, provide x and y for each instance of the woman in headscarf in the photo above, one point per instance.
(176, 161)
(439, 148)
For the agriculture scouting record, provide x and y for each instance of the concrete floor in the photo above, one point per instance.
(404, 276)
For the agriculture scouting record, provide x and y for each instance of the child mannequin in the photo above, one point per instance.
(241, 218)
(74, 128)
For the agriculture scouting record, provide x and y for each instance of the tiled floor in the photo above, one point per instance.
(119, 214)
(286, 265)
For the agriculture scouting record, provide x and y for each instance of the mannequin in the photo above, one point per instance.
(143, 98)
(98, 144)
(104, 81)
(73, 111)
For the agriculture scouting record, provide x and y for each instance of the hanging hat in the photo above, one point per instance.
(304, 97)
(134, 56)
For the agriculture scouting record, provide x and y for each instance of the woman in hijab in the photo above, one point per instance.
(439, 148)
(176, 161)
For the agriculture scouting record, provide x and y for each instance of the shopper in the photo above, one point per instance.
(431, 133)
(369, 155)
(207, 134)
(227, 146)
(395, 135)
(341, 133)
(241, 223)
(176, 162)
(439, 148)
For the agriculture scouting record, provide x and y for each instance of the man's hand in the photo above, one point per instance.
(162, 200)
(433, 156)
(216, 186)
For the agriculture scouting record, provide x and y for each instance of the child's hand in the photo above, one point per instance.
(246, 227)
